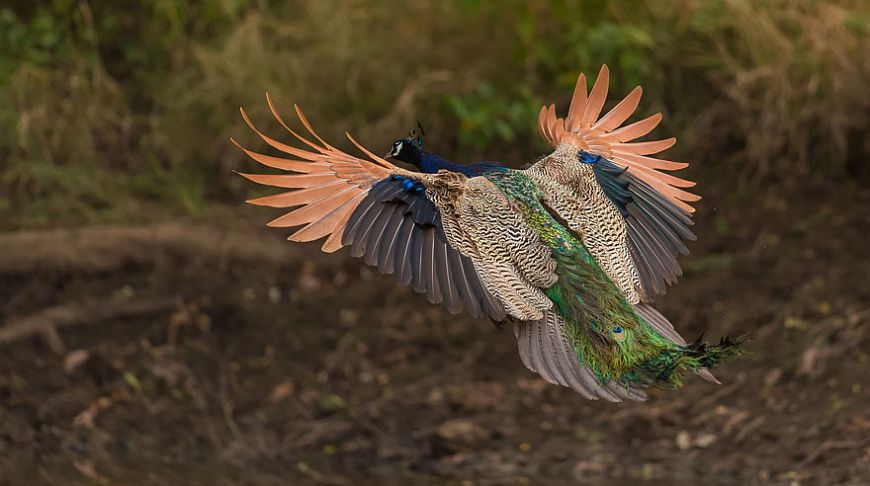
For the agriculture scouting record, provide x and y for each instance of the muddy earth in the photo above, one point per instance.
(213, 352)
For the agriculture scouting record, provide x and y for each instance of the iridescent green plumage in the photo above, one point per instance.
(605, 331)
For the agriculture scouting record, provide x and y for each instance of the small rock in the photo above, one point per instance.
(435, 397)
(74, 359)
(684, 440)
(274, 295)
(772, 377)
(281, 391)
(460, 434)
(478, 396)
(583, 469)
(348, 317)
(705, 440)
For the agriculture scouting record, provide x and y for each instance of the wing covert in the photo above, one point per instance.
(377, 208)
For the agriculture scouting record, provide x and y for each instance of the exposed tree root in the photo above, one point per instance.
(107, 248)
(47, 321)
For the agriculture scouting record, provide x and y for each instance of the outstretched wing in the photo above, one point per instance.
(377, 208)
(654, 204)
(480, 256)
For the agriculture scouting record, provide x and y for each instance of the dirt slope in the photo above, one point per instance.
(207, 354)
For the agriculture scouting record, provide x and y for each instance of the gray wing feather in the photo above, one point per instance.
(376, 235)
(430, 276)
(658, 322)
(403, 252)
(657, 228)
(400, 232)
(387, 252)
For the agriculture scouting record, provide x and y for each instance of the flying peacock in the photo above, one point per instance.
(571, 250)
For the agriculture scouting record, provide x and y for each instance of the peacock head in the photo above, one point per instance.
(410, 148)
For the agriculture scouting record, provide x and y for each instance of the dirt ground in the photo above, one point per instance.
(216, 353)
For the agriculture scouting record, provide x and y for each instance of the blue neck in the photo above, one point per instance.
(432, 163)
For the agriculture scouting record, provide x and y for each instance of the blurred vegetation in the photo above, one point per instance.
(111, 110)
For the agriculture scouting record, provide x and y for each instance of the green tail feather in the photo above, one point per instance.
(606, 332)
(665, 369)
(594, 310)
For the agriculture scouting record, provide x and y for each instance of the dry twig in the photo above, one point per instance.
(47, 321)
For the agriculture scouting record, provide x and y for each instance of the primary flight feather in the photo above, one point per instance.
(571, 250)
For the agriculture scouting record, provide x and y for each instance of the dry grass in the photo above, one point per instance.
(773, 89)
(793, 75)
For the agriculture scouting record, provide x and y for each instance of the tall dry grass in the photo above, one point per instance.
(113, 110)
(792, 78)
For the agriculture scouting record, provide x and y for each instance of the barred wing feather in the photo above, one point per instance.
(655, 204)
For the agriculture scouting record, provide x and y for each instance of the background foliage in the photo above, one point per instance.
(110, 109)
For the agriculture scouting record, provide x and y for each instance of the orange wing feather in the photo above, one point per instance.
(604, 137)
(327, 183)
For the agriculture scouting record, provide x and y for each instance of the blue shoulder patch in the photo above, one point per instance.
(409, 185)
(587, 158)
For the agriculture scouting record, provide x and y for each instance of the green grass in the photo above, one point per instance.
(109, 107)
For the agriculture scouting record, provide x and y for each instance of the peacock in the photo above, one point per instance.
(570, 251)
